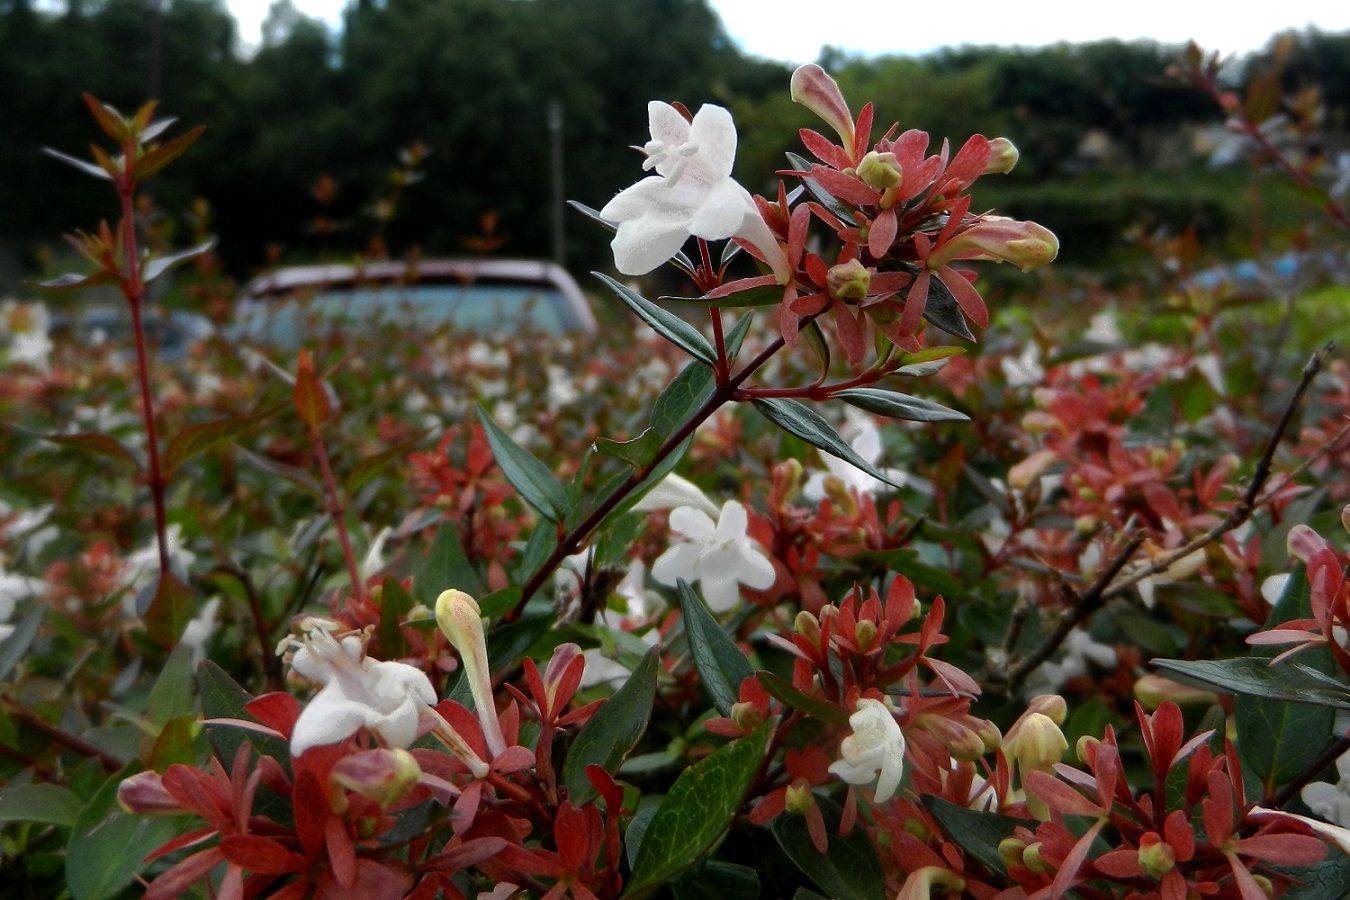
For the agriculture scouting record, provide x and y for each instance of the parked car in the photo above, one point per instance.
(481, 296)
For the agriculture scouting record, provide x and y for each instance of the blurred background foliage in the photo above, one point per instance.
(1110, 147)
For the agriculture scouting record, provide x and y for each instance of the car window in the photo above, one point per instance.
(481, 307)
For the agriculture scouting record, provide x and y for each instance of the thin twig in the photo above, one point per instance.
(26, 717)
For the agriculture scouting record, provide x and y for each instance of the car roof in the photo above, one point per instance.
(525, 271)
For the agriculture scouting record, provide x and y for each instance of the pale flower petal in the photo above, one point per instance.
(875, 749)
(695, 525)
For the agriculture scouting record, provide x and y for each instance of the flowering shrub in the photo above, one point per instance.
(383, 643)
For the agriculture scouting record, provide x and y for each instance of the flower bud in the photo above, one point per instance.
(459, 618)
(798, 798)
(865, 634)
(1003, 156)
(1030, 469)
(921, 882)
(1084, 747)
(1039, 743)
(746, 716)
(813, 88)
(918, 829)
(787, 478)
(1153, 690)
(1265, 884)
(880, 171)
(1049, 705)
(1026, 245)
(989, 734)
(807, 626)
(849, 281)
(383, 776)
(1010, 851)
(1031, 858)
(144, 794)
(1156, 857)
(1345, 517)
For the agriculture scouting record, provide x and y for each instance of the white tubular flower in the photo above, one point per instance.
(357, 692)
(692, 193)
(460, 618)
(719, 557)
(875, 749)
(673, 491)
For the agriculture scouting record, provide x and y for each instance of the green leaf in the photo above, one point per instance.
(823, 197)
(161, 264)
(814, 339)
(765, 295)
(719, 881)
(223, 698)
(101, 444)
(1254, 677)
(170, 610)
(196, 439)
(1278, 739)
(668, 325)
(171, 695)
(848, 869)
(364, 471)
(395, 604)
(800, 420)
(812, 706)
(899, 406)
(1327, 880)
(294, 474)
(87, 168)
(637, 452)
(498, 603)
(74, 280)
(48, 804)
(977, 833)
(107, 846)
(721, 664)
(526, 474)
(943, 311)
(15, 647)
(612, 732)
(682, 397)
(447, 566)
(697, 810)
(161, 156)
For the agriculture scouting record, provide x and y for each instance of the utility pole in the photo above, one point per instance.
(555, 146)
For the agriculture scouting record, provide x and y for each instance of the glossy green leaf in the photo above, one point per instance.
(612, 732)
(170, 610)
(697, 810)
(765, 295)
(294, 474)
(395, 604)
(817, 191)
(75, 280)
(667, 324)
(848, 869)
(720, 663)
(894, 405)
(223, 698)
(171, 696)
(1254, 677)
(798, 419)
(107, 846)
(526, 473)
(46, 803)
(637, 452)
(1327, 880)
(446, 567)
(977, 833)
(718, 881)
(197, 439)
(87, 168)
(101, 444)
(812, 706)
(943, 311)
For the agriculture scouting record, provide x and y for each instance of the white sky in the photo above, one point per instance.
(795, 30)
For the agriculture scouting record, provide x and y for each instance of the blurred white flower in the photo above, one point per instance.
(562, 390)
(1025, 369)
(875, 749)
(1180, 570)
(719, 557)
(1077, 651)
(692, 193)
(200, 629)
(357, 692)
(865, 439)
(1331, 801)
(26, 326)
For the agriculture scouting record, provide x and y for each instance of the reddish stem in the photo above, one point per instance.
(134, 290)
(339, 514)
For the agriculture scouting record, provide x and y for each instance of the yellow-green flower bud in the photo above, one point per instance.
(1003, 156)
(798, 798)
(807, 626)
(1153, 690)
(1081, 749)
(849, 281)
(746, 716)
(459, 617)
(865, 633)
(1031, 858)
(880, 171)
(1010, 851)
(1156, 857)
(1039, 744)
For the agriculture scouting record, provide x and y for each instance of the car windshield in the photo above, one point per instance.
(482, 307)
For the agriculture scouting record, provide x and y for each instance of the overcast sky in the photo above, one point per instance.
(795, 30)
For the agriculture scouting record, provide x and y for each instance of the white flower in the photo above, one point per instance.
(1331, 801)
(673, 491)
(875, 749)
(692, 193)
(866, 442)
(719, 557)
(1180, 570)
(1025, 369)
(1079, 649)
(200, 628)
(12, 589)
(357, 692)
